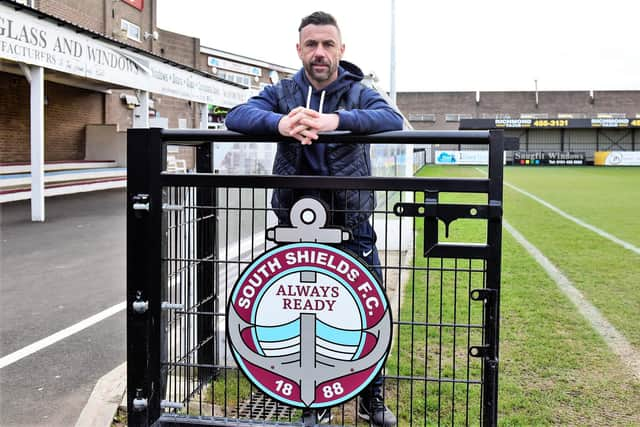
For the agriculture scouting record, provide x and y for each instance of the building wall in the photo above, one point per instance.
(175, 47)
(85, 13)
(179, 48)
(67, 112)
(104, 16)
(14, 116)
(514, 104)
(176, 109)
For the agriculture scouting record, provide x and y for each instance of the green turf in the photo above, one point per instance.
(555, 369)
(605, 197)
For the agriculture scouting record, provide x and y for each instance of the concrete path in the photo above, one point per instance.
(52, 276)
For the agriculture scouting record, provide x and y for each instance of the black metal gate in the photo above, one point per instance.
(190, 234)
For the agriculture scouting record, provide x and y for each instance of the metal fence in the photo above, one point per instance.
(190, 235)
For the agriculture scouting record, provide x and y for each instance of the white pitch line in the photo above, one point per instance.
(60, 335)
(578, 221)
(614, 339)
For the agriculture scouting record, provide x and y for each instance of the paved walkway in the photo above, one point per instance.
(52, 276)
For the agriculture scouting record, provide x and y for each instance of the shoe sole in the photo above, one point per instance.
(365, 417)
(325, 420)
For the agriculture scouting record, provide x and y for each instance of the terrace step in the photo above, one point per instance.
(64, 177)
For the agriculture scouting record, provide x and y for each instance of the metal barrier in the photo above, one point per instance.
(190, 235)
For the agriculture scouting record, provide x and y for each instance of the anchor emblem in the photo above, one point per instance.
(308, 323)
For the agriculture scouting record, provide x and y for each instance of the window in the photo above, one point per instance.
(495, 116)
(612, 115)
(572, 116)
(534, 115)
(234, 77)
(418, 117)
(456, 117)
(132, 30)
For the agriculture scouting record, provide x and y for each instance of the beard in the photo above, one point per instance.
(320, 71)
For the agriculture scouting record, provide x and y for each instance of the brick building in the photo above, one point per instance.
(547, 121)
(75, 74)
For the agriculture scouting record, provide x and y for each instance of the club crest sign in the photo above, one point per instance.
(308, 323)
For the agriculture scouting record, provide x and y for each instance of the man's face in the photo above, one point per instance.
(320, 49)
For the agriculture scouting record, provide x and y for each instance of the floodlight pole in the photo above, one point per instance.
(392, 70)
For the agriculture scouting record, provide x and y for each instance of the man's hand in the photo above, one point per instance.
(304, 124)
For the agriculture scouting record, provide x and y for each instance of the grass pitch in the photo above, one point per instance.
(554, 368)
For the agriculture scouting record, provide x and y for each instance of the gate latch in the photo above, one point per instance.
(485, 295)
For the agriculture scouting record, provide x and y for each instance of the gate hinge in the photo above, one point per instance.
(140, 204)
(139, 403)
(140, 306)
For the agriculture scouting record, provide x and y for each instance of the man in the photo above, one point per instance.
(325, 95)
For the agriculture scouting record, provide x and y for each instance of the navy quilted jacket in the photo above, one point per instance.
(361, 110)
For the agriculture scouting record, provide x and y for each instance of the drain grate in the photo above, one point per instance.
(260, 406)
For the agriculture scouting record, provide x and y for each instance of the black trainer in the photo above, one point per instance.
(323, 416)
(374, 411)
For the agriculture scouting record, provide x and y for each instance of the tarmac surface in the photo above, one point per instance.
(54, 275)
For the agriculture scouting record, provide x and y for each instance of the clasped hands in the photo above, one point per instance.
(304, 124)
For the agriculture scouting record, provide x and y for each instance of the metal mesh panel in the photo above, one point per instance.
(190, 236)
(430, 376)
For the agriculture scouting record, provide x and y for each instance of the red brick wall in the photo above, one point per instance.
(117, 112)
(175, 109)
(85, 13)
(14, 116)
(105, 16)
(178, 48)
(66, 113)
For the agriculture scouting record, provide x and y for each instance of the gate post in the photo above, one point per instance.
(492, 304)
(146, 157)
(207, 248)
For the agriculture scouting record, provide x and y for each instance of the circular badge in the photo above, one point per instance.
(309, 324)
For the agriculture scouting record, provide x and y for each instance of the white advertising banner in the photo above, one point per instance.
(617, 158)
(233, 66)
(24, 38)
(451, 157)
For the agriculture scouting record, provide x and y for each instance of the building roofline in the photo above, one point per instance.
(245, 59)
(96, 35)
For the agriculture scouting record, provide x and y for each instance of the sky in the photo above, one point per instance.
(441, 45)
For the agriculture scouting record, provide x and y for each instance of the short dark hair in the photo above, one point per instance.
(318, 18)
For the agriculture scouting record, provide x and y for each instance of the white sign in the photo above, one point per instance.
(610, 123)
(462, 157)
(623, 158)
(233, 66)
(24, 38)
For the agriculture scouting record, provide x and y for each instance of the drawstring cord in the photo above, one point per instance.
(321, 101)
(309, 99)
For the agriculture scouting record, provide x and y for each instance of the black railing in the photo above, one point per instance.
(189, 235)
